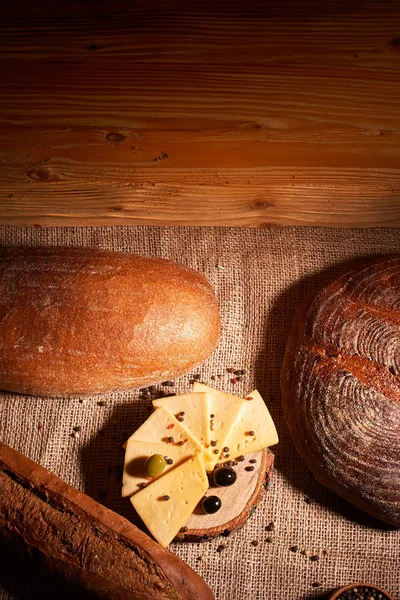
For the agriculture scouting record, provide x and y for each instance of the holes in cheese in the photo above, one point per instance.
(166, 504)
(224, 410)
(138, 451)
(193, 409)
(253, 418)
(162, 428)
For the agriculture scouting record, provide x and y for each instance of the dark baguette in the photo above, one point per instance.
(84, 541)
(78, 321)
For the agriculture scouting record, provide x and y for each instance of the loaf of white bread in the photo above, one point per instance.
(79, 321)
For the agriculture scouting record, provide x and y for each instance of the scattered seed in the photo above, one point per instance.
(269, 540)
(314, 557)
(82, 401)
(226, 449)
(240, 372)
(324, 552)
(182, 413)
(251, 433)
(170, 426)
(165, 498)
(230, 370)
(221, 547)
(249, 469)
(234, 463)
(304, 552)
(226, 455)
(254, 543)
(143, 484)
(316, 584)
(200, 558)
(229, 463)
(240, 458)
(77, 428)
(270, 526)
(212, 416)
(212, 378)
(293, 548)
(213, 443)
(234, 381)
(181, 443)
(74, 434)
(180, 419)
(169, 461)
(184, 529)
(216, 451)
(101, 403)
(170, 440)
(252, 461)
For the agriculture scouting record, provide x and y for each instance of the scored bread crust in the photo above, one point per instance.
(84, 541)
(79, 321)
(340, 384)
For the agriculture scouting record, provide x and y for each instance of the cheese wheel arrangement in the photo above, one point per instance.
(168, 459)
(79, 321)
(340, 387)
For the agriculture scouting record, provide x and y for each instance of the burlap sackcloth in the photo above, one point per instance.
(259, 276)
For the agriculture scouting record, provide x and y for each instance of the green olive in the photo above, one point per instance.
(154, 465)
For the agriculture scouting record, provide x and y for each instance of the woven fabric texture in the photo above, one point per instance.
(318, 542)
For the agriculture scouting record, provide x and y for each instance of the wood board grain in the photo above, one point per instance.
(278, 113)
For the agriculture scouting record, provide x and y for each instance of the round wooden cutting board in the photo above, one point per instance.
(238, 500)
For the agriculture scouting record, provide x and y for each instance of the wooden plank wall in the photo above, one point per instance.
(200, 113)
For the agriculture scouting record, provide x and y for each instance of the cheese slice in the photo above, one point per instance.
(225, 408)
(197, 414)
(137, 452)
(184, 487)
(254, 417)
(161, 426)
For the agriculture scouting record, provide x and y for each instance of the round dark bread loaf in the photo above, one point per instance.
(340, 386)
(78, 321)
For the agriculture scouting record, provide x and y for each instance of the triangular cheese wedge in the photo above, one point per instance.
(161, 426)
(196, 417)
(165, 505)
(137, 452)
(254, 417)
(225, 409)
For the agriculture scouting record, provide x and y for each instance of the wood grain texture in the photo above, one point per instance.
(238, 500)
(277, 113)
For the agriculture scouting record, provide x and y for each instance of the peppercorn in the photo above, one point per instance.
(170, 440)
(213, 443)
(166, 498)
(226, 449)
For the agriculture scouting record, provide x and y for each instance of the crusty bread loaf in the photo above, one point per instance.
(84, 541)
(78, 321)
(341, 387)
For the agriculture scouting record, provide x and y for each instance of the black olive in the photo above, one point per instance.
(211, 504)
(224, 476)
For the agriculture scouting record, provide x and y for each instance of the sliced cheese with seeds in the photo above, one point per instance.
(166, 504)
(254, 417)
(226, 408)
(161, 426)
(137, 452)
(196, 413)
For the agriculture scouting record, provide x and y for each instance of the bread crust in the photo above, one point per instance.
(340, 383)
(82, 321)
(84, 541)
